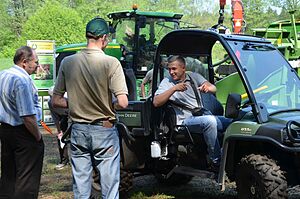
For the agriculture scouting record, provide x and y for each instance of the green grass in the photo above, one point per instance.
(5, 63)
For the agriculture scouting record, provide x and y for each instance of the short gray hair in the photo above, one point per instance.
(24, 52)
(179, 58)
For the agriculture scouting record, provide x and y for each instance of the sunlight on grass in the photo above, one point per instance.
(141, 195)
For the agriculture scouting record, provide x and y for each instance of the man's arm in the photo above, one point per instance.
(122, 101)
(143, 90)
(59, 101)
(162, 98)
(207, 87)
(30, 123)
(146, 80)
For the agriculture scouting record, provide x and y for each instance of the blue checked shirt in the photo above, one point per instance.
(19, 96)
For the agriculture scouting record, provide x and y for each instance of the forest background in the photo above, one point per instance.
(64, 21)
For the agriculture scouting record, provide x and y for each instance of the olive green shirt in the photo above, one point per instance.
(91, 78)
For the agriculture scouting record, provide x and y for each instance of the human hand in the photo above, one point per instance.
(204, 88)
(180, 87)
(59, 134)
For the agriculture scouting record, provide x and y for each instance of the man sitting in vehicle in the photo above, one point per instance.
(178, 87)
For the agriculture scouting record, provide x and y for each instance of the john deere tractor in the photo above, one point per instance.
(134, 39)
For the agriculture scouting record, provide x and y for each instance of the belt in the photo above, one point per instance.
(104, 123)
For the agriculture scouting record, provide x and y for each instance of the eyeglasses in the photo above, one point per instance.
(36, 62)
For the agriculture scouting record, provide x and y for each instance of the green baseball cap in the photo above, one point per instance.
(97, 26)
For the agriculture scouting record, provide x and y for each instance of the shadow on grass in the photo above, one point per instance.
(58, 184)
(197, 188)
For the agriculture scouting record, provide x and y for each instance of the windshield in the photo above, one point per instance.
(272, 80)
(151, 34)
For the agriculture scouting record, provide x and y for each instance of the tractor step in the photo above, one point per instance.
(191, 171)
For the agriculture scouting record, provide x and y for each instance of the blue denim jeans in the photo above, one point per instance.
(209, 125)
(98, 146)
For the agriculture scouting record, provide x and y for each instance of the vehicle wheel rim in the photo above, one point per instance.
(252, 190)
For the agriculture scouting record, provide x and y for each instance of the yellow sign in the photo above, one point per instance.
(45, 73)
(42, 46)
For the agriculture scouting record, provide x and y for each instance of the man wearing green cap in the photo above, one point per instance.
(91, 79)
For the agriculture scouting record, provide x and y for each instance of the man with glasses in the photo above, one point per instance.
(22, 147)
(91, 79)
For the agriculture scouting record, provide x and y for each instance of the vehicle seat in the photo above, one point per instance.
(211, 103)
(178, 134)
(181, 133)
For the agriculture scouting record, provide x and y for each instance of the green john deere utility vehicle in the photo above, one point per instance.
(261, 147)
(260, 93)
(135, 35)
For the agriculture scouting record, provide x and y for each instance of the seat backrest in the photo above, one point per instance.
(209, 100)
(211, 103)
(170, 117)
(176, 133)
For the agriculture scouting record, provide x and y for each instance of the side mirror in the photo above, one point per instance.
(233, 104)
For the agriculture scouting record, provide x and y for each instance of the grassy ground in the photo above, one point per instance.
(54, 184)
(58, 184)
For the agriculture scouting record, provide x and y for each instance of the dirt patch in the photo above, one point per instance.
(54, 184)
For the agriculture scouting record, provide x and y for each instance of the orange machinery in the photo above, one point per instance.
(238, 22)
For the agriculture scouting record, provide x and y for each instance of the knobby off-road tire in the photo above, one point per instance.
(124, 188)
(260, 177)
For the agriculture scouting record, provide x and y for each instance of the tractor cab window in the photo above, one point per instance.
(221, 62)
(150, 35)
(140, 39)
(125, 33)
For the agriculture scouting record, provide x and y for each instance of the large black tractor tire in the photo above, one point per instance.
(125, 184)
(259, 177)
